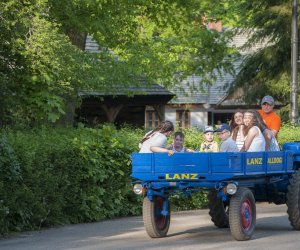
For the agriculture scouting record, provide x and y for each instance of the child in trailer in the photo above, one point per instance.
(209, 145)
(178, 144)
(155, 140)
(228, 144)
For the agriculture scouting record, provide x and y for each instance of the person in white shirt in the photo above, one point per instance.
(155, 140)
(235, 124)
(251, 133)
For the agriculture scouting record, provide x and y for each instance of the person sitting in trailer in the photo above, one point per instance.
(251, 133)
(209, 145)
(178, 143)
(155, 140)
(228, 144)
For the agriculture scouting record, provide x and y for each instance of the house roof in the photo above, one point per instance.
(144, 88)
(217, 92)
(211, 94)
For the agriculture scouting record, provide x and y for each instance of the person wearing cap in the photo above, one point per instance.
(228, 144)
(209, 145)
(271, 119)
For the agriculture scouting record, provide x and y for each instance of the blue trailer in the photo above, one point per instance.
(234, 181)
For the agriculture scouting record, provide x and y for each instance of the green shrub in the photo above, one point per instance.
(194, 201)
(288, 133)
(10, 183)
(65, 176)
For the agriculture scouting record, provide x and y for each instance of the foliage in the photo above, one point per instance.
(284, 112)
(62, 176)
(41, 69)
(288, 133)
(194, 201)
(266, 71)
(10, 182)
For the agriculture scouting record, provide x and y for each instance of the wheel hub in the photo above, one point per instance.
(246, 212)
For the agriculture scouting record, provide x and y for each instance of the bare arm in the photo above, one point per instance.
(241, 127)
(161, 150)
(268, 137)
(190, 150)
(274, 132)
(253, 132)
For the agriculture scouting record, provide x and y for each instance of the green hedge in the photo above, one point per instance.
(67, 175)
(55, 176)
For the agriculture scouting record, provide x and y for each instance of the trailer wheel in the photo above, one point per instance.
(242, 214)
(156, 224)
(218, 210)
(293, 201)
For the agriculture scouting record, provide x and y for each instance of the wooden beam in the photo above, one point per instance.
(160, 110)
(111, 111)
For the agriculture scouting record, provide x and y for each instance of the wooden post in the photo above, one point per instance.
(160, 110)
(111, 111)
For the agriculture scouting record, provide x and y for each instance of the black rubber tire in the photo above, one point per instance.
(156, 224)
(293, 201)
(242, 214)
(218, 210)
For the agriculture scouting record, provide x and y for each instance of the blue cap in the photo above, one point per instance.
(223, 127)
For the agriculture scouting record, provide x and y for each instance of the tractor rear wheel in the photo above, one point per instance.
(293, 200)
(218, 210)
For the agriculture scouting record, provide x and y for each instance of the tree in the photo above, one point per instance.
(268, 70)
(43, 65)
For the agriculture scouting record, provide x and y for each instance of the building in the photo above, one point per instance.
(187, 109)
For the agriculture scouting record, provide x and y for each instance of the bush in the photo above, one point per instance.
(288, 133)
(55, 176)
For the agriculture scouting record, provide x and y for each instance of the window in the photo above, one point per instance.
(183, 118)
(152, 120)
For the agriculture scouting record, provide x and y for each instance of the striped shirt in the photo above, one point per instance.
(239, 141)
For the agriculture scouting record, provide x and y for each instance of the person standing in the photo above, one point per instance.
(271, 119)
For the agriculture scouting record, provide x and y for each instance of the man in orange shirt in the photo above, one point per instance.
(271, 119)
